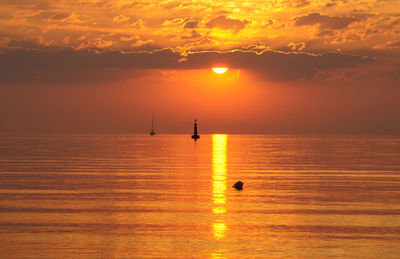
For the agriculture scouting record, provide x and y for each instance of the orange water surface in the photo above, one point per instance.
(166, 196)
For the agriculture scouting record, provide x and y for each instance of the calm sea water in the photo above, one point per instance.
(137, 196)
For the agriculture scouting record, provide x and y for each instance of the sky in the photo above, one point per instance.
(294, 66)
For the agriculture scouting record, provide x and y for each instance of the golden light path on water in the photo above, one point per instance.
(219, 144)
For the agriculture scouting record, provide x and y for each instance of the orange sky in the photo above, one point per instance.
(294, 66)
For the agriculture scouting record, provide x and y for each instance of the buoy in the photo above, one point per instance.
(238, 185)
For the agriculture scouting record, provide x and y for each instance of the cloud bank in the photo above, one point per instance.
(19, 66)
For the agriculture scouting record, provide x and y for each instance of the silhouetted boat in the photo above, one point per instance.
(195, 136)
(152, 132)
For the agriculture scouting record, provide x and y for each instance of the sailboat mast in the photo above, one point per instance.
(152, 125)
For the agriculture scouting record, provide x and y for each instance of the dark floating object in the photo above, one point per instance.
(195, 136)
(238, 185)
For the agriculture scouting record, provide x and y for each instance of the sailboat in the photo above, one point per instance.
(195, 136)
(152, 132)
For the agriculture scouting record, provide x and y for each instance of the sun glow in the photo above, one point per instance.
(220, 70)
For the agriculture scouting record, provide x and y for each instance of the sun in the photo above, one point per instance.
(220, 70)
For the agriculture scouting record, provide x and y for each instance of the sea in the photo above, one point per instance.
(167, 196)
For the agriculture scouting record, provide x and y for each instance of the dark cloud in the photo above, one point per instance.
(193, 35)
(268, 23)
(191, 24)
(324, 21)
(59, 16)
(32, 43)
(201, 44)
(297, 4)
(393, 44)
(294, 4)
(225, 23)
(275, 65)
(73, 65)
(330, 4)
(144, 45)
(325, 33)
(28, 4)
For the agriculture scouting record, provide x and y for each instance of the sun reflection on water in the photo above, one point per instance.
(218, 254)
(219, 228)
(219, 143)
